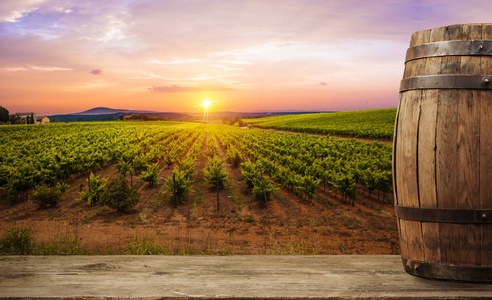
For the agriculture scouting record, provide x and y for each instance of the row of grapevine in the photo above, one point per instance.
(302, 162)
(377, 123)
(33, 155)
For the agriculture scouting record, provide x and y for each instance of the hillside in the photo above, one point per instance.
(376, 123)
(110, 114)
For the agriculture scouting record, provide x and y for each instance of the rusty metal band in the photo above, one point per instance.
(450, 48)
(448, 272)
(471, 82)
(439, 215)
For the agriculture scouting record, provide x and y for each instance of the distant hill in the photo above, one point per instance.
(109, 111)
(110, 114)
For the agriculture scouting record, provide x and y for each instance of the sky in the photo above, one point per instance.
(68, 56)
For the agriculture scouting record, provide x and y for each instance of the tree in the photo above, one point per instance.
(226, 120)
(4, 115)
(236, 118)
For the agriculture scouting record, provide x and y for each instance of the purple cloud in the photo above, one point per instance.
(323, 83)
(96, 72)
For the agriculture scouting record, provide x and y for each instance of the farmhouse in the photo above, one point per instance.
(25, 118)
(43, 120)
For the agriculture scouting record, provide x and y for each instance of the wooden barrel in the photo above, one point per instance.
(442, 154)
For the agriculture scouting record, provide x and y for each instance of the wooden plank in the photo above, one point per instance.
(437, 34)
(402, 236)
(486, 153)
(395, 146)
(468, 170)
(460, 245)
(446, 147)
(486, 245)
(427, 149)
(406, 152)
(431, 240)
(417, 67)
(227, 277)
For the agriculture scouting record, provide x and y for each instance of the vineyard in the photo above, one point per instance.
(161, 174)
(376, 123)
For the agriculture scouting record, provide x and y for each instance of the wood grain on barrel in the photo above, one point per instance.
(427, 149)
(407, 149)
(486, 153)
(452, 153)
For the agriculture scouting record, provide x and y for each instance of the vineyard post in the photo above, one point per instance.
(174, 191)
(89, 181)
(131, 179)
(56, 176)
(217, 177)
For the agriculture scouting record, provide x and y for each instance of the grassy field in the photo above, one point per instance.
(376, 123)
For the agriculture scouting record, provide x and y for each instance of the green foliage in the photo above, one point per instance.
(4, 114)
(96, 188)
(376, 123)
(307, 186)
(170, 157)
(260, 185)
(215, 173)
(151, 174)
(61, 244)
(187, 167)
(139, 163)
(212, 147)
(145, 246)
(263, 188)
(118, 195)
(251, 173)
(16, 241)
(178, 184)
(234, 157)
(62, 187)
(123, 167)
(45, 196)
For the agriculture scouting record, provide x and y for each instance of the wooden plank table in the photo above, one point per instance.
(229, 277)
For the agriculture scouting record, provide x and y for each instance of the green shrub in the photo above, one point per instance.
(62, 187)
(214, 172)
(96, 188)
(177, 184)
(234, 157)
(119, 195)
(151, 174)
(16, 241)
(123, 167)
(45, 196)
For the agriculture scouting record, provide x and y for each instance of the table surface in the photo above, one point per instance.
(230, 277)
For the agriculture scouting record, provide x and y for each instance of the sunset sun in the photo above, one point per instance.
(206, 103)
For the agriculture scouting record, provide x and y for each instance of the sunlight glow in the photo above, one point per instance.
(206, 103)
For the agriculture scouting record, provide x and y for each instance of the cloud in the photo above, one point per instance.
(12, 11)
(186, 89)
(175, 61)
(323, 83)
(96, 72)
(37, 68)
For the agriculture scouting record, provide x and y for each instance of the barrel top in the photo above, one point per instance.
(471, 31)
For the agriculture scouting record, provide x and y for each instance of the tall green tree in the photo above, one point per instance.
(4, 114)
